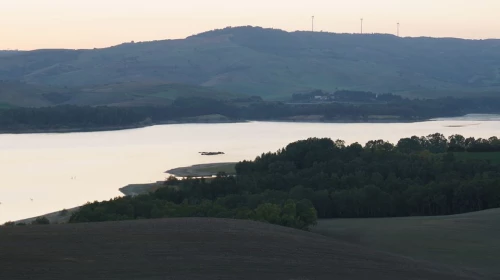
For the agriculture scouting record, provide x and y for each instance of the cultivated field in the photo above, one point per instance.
(197, 249)
(467, 240)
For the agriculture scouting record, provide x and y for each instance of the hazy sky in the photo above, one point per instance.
(32, 24)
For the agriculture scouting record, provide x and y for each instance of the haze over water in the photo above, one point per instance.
(44, 173)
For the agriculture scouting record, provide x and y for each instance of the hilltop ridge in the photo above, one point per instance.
(274, 63)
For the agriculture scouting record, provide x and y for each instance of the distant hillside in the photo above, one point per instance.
(275, 63)
(19, 94)
(7, 52)
(142, 93)
(198, 249)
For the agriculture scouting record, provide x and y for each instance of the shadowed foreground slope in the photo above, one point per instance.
(195, 249)
(467, 240)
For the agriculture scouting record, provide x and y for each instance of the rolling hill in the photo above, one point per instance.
(197, 248)
(467, 240)
(274, 63)
(19, 94)
(7, 52)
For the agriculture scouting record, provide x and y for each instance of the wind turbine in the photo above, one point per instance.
(361, 25)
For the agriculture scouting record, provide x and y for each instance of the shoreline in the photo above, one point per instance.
(71, 130)
(313, 119)
(135, 126)
(196, 170)
(139, 189)
(203, 170)
(107, 128)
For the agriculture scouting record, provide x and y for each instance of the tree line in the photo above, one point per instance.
(322, 178)
(417, 176)
(346, 96)
(106, 117)
(192, 198)
(69, 117)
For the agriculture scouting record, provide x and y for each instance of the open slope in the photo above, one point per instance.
(21, 94)
(276, 63)
(467, 240)
(196, 249)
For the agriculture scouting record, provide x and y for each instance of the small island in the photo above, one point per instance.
(211, 153)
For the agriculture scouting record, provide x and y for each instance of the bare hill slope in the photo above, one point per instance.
(467, 240)
(196, 249)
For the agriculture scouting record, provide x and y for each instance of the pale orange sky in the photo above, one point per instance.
(32, 24)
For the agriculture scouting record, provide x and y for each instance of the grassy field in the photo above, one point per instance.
(197, 248)
(14, 94)
(142, 93)
(467, 240)
(494, 157)
(117, 94)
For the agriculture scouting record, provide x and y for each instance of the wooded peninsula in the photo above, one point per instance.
(322, 178)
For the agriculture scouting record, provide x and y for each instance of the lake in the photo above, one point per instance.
(42, 173)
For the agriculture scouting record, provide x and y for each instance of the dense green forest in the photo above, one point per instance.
(355, 106)
(170, 202)
(321, 178)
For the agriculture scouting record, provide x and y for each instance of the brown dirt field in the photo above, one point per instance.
(197, 248)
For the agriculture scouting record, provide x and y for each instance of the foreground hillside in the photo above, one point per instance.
(275, 63)
(196, 249)
(466, 240)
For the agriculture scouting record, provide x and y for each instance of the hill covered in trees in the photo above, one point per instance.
(274, 63)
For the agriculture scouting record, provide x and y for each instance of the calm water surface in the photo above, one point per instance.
(42, 173)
